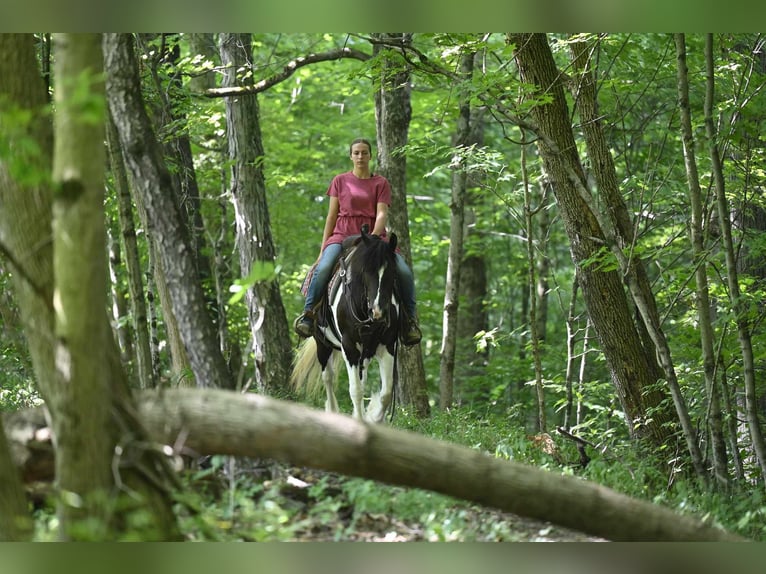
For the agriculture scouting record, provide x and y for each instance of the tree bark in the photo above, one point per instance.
(604, 172)
(696, 225)
(152, 179)
(80, 404)
(266, 312)
(471, 362)
(532, 286)
(732, 273)
(455, 255)
(171, 121)
(143, 353)
(393, 112)
(25, 224)
(208, 421)
(602, 288)
(15, 520)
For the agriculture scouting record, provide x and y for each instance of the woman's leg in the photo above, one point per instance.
(304, 325)
(406, 285)
(322, 275)
(411, 332)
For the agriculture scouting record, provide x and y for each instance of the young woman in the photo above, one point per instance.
(357, 197)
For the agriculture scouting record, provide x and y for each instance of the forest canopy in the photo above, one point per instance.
(584, 216)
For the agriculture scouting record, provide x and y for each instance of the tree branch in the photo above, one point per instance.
(288, 70)
(210, 421)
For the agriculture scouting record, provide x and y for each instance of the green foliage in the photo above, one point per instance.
(260, 272)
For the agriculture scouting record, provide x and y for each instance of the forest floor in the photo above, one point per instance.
(325, 507)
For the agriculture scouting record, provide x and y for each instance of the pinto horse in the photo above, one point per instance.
(357, 320)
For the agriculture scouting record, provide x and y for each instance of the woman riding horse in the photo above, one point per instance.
(357, 197)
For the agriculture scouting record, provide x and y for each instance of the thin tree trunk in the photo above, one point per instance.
(732, 426)
(393, 112)
(534, 335)
(455, 255)
(120, 326)
(715, 423)
(700, 266)
(266, 312)
(143, 352)
(732, 275)
(471, 361)
(569, 377)
(153, 182)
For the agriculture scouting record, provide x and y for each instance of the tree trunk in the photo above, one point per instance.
(15, 520)
(393, 112)
(208, 421)
(732, 274)
(455, 255)
(80, 404)
(25, 222)
(169, 120)
(696, 224)
(153, 183)
(121, 328)
(532, 285)
(266, 312)
(473, 318)
(144, 370)
(602, 288)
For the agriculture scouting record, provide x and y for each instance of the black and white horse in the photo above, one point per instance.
(357, 320)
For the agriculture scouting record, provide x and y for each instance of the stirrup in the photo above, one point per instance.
(412, 335)
(304, 325)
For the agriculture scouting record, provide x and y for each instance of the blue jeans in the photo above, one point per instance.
(325, 267)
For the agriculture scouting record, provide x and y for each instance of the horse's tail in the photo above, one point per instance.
(307, 372)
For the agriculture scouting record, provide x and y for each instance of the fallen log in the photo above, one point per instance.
(251, 425)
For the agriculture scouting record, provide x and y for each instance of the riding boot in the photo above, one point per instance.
(304, 324)
(410, 333)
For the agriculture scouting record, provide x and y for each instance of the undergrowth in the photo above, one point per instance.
(227, 499)
(304, 504)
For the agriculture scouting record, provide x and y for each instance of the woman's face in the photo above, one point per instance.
(360, 155)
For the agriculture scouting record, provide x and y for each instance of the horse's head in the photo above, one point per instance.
(373, 266)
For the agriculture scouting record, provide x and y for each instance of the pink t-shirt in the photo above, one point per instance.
(358, 203)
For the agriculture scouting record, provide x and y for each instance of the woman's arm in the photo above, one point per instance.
(329, 224)
(380, 219)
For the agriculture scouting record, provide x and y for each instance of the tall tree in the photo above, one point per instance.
(80, 405)
(143, 355)
(57, 342)
(266, 312)
(153, 182)
(732, 275)
(473, 289)
(602, 288)
(699, 250)
(393, 112)
(457, 224)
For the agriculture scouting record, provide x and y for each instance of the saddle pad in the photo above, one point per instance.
(307, 280)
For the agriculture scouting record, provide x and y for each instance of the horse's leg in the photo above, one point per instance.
(379, 402)
(324, 355)
(328, 378)
(356, 377)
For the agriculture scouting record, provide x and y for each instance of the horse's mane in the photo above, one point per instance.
(370, 255)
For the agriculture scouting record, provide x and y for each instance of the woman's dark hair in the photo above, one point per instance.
(361, 141)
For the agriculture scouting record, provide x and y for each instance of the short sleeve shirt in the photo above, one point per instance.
(358, 203)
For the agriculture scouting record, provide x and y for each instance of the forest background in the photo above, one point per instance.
(584, 216)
